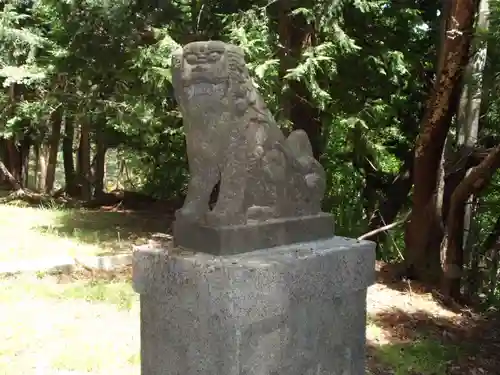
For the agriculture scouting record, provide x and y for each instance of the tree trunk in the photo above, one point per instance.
(17, 158)
(99, 164)
(422, 256)
(25, 149)
(68, 160)
(470, 104)
(468, 128)
(295, 35)
(451, 249)
(15, 184)
(36, 167)
(42, 162)
(14, 160)
(491, 248)
(54, 139)
(472, 257)
(84, 161)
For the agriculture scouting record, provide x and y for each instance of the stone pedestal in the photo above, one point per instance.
(290, 310)
(235, 239)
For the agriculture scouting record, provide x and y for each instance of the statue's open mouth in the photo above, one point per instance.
(206, 88)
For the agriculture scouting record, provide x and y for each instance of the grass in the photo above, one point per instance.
(34, 233)
(117, 293)
(423, 357)
(83, 326)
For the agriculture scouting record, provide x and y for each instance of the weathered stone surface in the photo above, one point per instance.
(232, 137)
(289, 310)
(254, 235)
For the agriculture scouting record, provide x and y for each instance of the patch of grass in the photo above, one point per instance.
(423, 357)
(89, 327)
(113, 231)
(117, 293)
(21, 238)
(34, 233)
(98, 357)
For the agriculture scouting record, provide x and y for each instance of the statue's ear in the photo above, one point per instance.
(177, 58)
(176, 72)
(251, 94)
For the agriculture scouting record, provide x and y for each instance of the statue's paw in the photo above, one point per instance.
(260, 213)
(312, 179)
(189, 214)
(217, 219)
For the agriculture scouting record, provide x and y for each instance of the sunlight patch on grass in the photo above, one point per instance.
(21, 239)
(48, 328)
(28, 233)
(117, 293)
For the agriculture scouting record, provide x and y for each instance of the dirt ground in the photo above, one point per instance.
(402, 313)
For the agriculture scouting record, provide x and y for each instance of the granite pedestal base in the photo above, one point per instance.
(255, 235)
(290, 310)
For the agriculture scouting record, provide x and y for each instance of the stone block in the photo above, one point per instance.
(290, 310)
(235, 239)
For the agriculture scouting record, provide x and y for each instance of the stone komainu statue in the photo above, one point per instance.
(232, 137)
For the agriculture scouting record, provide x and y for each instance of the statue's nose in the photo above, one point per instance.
(200, 68)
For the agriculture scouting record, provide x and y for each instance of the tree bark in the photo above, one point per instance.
(422, 257)
(470, 104)
(68, 160)
(25, 150)
(452, 251)
(84, 161)
(468, 129)
(14, 160)
(55, 136)
(295, 35)
(99, 164)
(492, 249)
(15, 184)
(42, 163)
(36, 167)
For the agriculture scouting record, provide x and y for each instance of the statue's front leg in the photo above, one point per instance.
(230, 208)
(203, 178)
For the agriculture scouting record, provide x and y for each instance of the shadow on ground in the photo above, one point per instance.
(112, 231)
(422, 344)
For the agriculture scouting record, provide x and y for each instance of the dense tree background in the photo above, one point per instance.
(399, 98)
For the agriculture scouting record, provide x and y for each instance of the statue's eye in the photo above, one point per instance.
(214, 56)
(191, 58)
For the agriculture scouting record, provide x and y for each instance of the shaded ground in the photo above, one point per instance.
(111, 231)
(410, 332)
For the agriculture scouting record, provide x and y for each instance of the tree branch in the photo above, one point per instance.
(478, 177)
(384, 228)
(452, 246)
